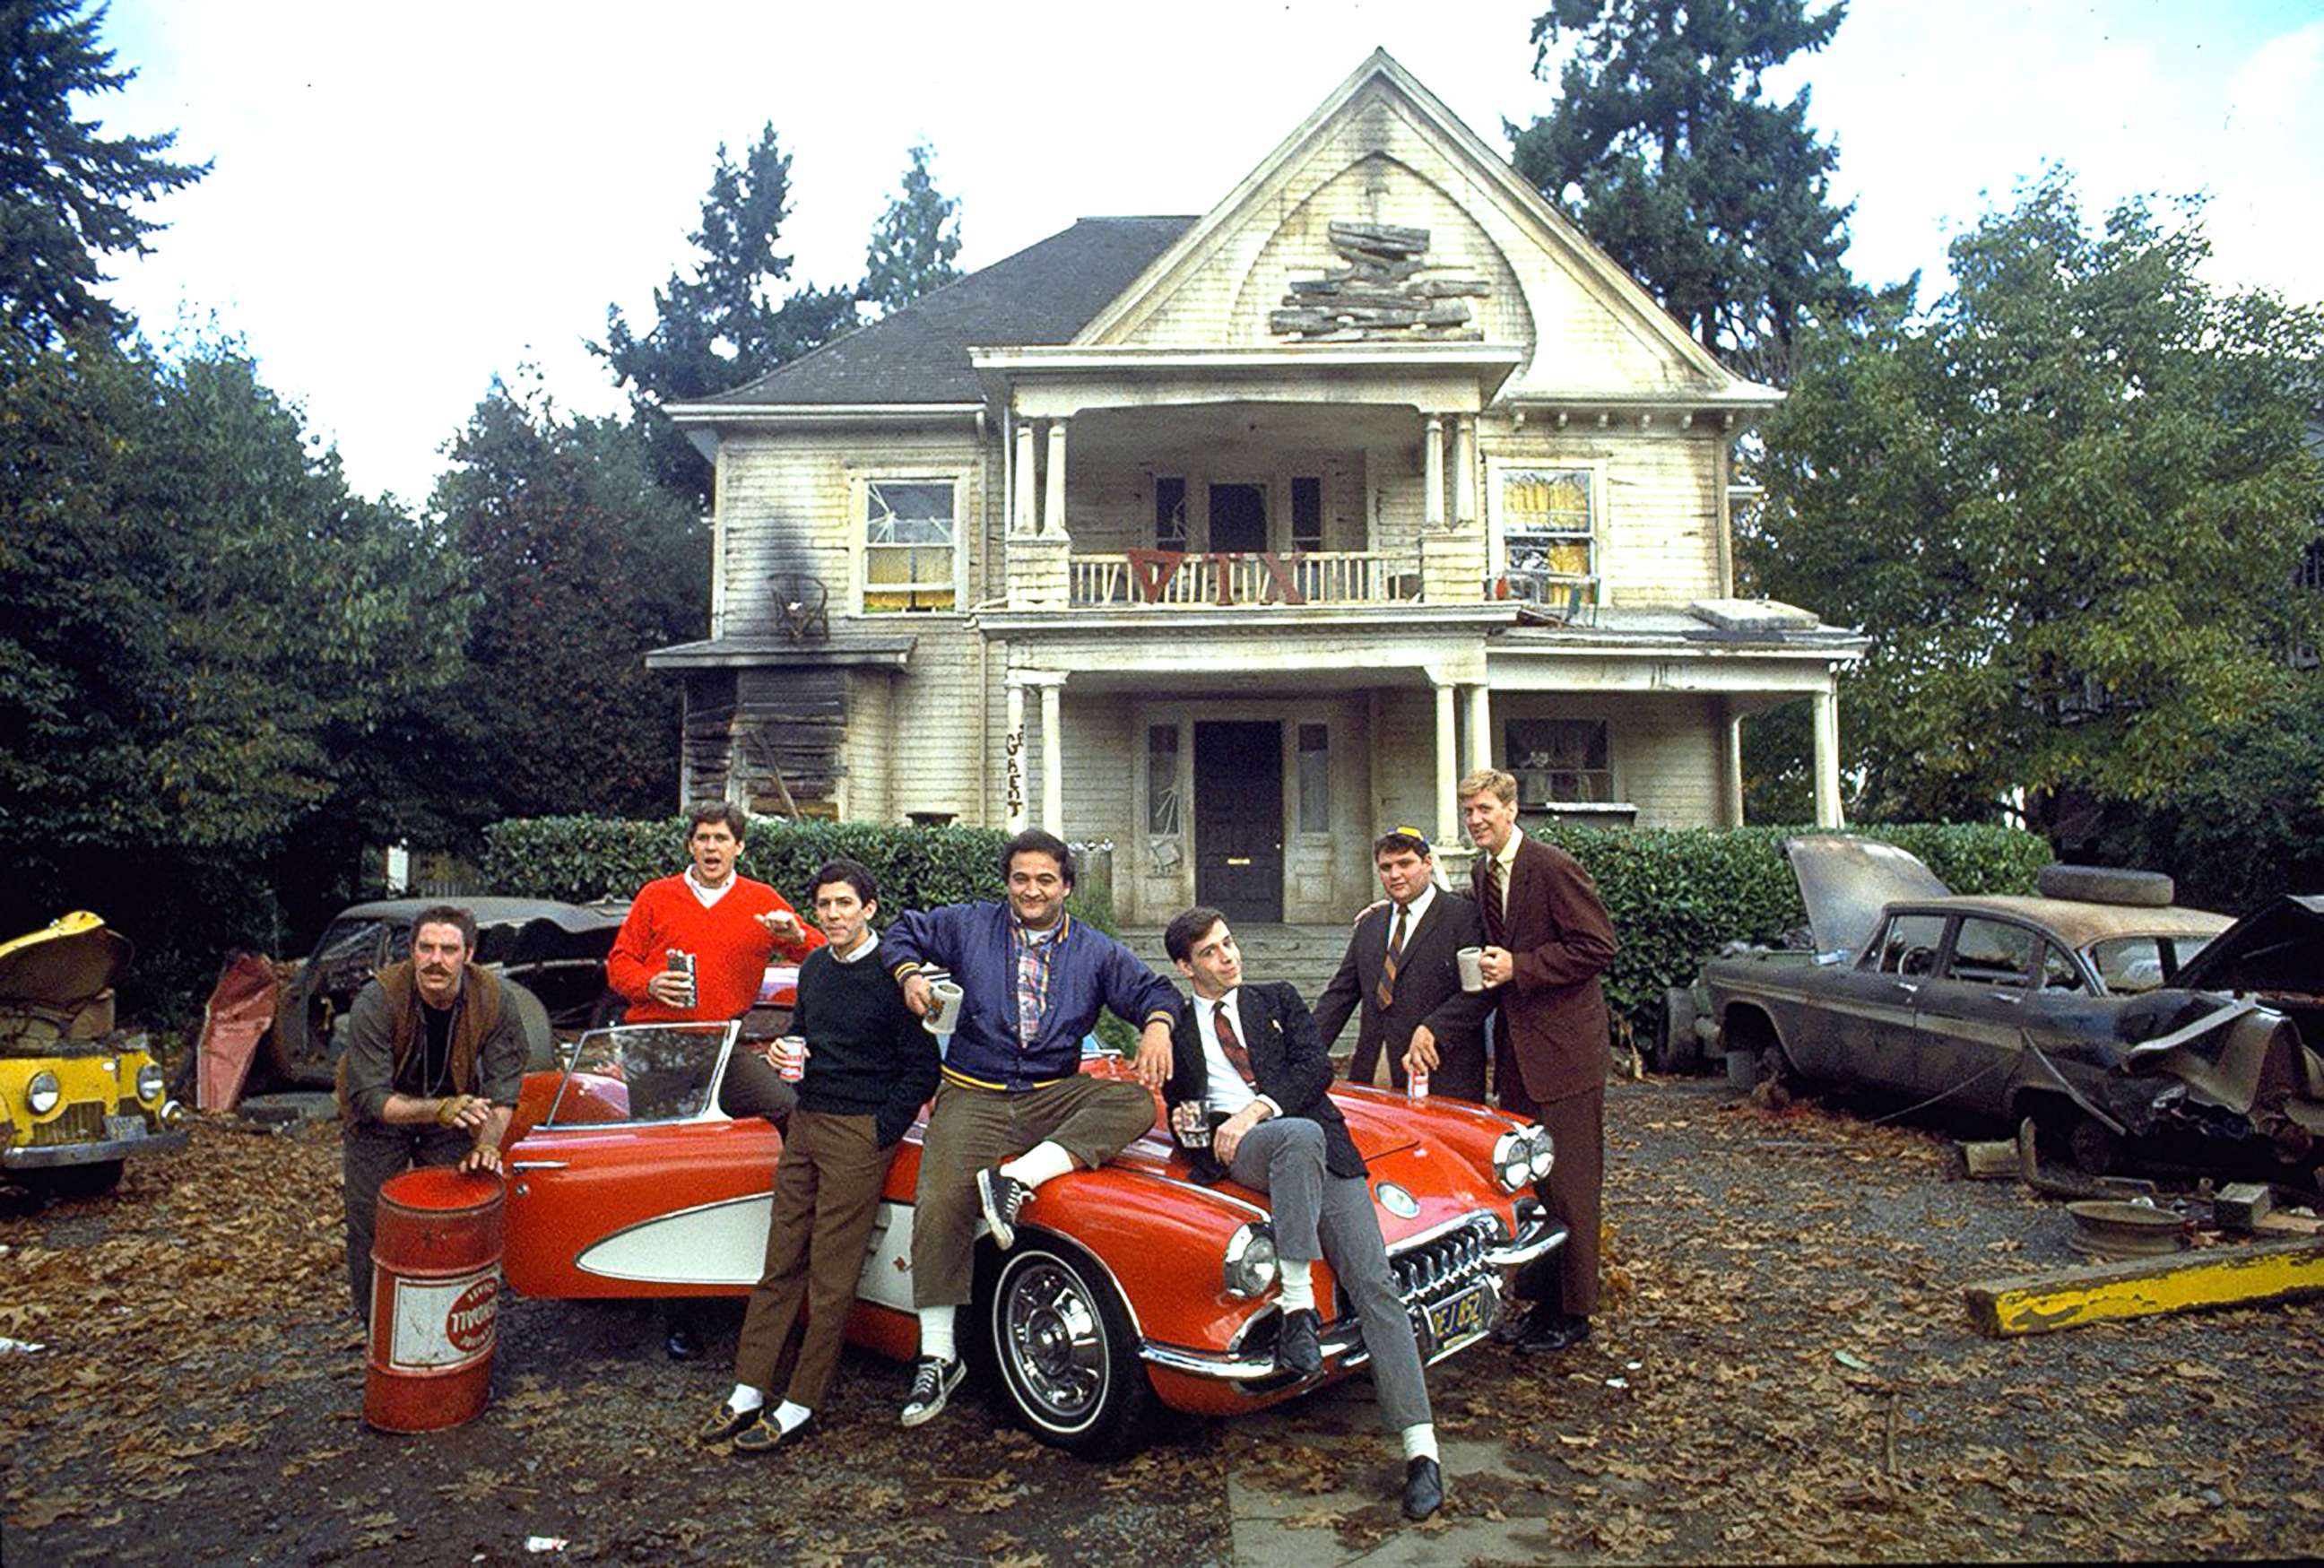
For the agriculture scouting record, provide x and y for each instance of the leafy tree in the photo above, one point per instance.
(2068, 505)
(66, 189)
(917, 240)
(584, 563)
(1668, 151)
(723, 326)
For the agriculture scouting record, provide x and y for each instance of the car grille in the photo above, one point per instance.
(82, 1122)
(1443, 1267)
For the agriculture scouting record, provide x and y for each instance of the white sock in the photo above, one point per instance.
(745, 1398)
(1419, 1442)
(789, 1416)
(1038, 1164)
(1298, 1291)
(935, 1332)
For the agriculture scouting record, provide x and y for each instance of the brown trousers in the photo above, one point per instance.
(1574, 1192)
(1091, 1118)
(826, 1194)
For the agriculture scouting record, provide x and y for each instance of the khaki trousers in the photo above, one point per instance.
(826, 1194)
(1091, 1118)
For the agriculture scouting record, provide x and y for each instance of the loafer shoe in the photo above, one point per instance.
(1424, 1487)
(1297, 1348)
(932, 1382)
(1561, 1332)
(763, 1436)
(727, 1423)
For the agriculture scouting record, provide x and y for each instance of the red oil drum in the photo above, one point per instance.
(434, 1299)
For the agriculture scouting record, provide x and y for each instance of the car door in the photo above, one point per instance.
(1861, 1031)
(1972, 1014)
(634, 1182)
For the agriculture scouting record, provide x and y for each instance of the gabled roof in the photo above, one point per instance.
(1045, 293)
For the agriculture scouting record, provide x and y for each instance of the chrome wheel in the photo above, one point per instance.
(1052, 1341)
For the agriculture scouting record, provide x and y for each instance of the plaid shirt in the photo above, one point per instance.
(1033, 951)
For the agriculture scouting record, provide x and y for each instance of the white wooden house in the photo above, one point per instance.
(1235, 539)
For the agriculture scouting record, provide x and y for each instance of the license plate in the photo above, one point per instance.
(1462, 1317)
(118, 1128)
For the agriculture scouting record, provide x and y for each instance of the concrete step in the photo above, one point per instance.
(1306, 956)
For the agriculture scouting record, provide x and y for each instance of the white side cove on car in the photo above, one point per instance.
(725, 1243)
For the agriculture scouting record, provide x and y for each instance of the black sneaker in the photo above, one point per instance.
(933, 1381)
(1002, 1197)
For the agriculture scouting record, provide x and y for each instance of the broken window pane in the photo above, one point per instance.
(1169, 514)
(1162, 780)
(1559, 761)
(1548, 520)
(1314, 779)
(910, 546)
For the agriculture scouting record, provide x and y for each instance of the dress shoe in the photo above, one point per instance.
(1424, 1487)
(727, 1422)
(682, 1345)
(1554, 1333)
(1298, 1350)
(764, 1436)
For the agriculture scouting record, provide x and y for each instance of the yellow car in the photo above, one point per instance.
(74, 1104)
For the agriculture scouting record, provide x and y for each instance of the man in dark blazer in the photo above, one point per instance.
(1247, 1064)
(1411, 1011)
(1546, 938)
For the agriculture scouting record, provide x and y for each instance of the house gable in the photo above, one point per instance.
(1382, 152)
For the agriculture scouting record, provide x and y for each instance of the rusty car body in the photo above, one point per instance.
(2130, 1029)
(1128, 1285)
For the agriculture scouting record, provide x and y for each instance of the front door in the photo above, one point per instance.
(1237, 519)
(1239, 819)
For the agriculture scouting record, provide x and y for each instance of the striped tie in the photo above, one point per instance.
(1386, 989)
(1496, 917)
(1224, 1028)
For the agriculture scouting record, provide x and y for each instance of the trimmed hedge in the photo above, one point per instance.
(1677, 896)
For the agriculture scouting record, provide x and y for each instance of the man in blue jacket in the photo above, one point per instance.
(1013, 1109)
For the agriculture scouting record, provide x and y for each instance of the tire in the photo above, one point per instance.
(1673, 1047)
(2096, 1149)
(74, 1181)
(1061, 1345)
(2106, 885)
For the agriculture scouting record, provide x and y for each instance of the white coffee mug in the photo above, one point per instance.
(944, 1017)
(1472, 961)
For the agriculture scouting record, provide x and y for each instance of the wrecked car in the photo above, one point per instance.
(77, 1098)
(2127, 1027)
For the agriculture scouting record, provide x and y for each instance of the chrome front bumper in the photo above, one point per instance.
(26, 1157)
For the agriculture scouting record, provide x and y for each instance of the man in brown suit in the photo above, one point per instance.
(1546, 938)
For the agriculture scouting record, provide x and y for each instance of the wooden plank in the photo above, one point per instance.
(2145, 1288)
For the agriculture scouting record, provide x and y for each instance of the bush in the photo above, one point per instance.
(1677, 896)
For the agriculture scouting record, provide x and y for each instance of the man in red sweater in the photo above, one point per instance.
(730, 924)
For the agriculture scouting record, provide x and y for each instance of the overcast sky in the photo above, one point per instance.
(406, 200)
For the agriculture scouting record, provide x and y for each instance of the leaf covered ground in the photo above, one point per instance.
(1785, 1373)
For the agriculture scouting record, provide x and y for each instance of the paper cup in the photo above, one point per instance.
(944, 1017)
(1472, 961)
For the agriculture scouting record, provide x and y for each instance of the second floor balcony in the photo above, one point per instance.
(1176, 578)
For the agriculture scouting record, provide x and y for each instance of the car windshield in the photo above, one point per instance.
(2129, 964)
(642, 1072)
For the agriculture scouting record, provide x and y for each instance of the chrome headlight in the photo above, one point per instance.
(173, 1115)
(1513, 1159)
(150, 1081)
(1545, 1152)
(44, 1092)
(1248, 1268)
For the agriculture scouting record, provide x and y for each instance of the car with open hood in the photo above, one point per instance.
(1127, 1287)
(77, 1097)
(2130, 1029)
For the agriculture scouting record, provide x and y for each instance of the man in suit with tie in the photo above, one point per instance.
(1546, 938)
(1400, 977)
(1249, 1057)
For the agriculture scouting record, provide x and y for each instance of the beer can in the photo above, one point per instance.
(1415, 1084)
(682, 963)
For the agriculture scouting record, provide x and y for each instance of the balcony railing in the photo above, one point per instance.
(1167, 578)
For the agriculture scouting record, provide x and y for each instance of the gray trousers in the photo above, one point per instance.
(1319, 1214)
(370, 1153)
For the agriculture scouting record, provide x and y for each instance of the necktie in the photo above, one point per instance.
(1386, 990)
(1495, 923)
(1223, 1027)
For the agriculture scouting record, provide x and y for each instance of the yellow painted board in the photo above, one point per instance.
(2145, 1288)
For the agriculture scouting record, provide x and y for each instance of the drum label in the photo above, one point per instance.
(443, 1324)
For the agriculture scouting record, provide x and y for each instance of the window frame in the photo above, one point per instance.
(860, 547)
(1498, 472)
(1510, 755)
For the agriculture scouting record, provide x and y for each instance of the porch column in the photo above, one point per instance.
(1053, 759)
(1053, 509)
(1464, 471)
(1021, 519)
(1012, 748)
(1826, 758)
(1480, 727)
(1432, 468)
(1731, 759)
(1448, 768)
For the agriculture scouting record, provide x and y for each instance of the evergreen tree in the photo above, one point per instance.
(67, 190)
(1665, 146)
(913, 249)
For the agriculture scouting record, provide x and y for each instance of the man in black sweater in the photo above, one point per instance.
(870, 1067)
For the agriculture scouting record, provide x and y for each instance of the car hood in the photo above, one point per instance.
(2279, 946)
(1846, 881)
(63, 965)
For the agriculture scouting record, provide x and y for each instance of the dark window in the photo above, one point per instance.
(2058, 970)
(1306, 514)
(1169, 514)
(1909, 945)
(1314, 779)
(1559, 761)
(1162, 818)
(1992, 953)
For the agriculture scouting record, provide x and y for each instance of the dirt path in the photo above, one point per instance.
(1788, 1375)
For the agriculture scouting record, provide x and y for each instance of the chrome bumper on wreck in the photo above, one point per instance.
(1431, 1269)
(31, 1157)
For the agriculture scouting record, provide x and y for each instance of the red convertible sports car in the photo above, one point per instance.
(1126, 1285)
